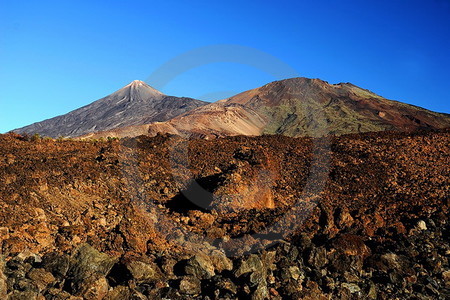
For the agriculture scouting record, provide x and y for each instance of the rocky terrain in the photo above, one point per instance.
(294, 107)
(135, 104)
(360, 216)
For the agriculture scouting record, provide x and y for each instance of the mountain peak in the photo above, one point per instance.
(134, 104)
(141, 85)
(137, 83)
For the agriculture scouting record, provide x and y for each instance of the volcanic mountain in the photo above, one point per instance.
(135, 104)
(294, 107)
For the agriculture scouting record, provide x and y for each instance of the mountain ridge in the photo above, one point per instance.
(294, 107)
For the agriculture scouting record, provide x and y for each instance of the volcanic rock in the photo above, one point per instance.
(119, 226)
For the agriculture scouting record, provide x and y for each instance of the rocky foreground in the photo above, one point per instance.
(361, 216)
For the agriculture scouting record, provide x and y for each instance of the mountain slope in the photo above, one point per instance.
(136, 103)
(295, 107)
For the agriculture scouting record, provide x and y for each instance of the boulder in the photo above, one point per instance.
(119, 293)
(220, 261)
(200, 266)
(144, 272)
(57, 264)
(40, 277)
(317, 257)
(352, 287)
(95, 287)
(190, 285)
(87, 260)
(23, 295)
(251, 264)
(351, 244)
(89, 264)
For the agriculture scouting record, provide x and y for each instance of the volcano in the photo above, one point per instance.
(136, 103)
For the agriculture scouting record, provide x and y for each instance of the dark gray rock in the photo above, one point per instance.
(55, 263)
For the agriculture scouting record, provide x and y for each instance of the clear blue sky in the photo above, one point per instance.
(56, 56)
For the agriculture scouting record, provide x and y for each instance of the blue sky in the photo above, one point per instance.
(56, 56)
